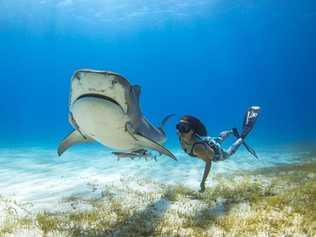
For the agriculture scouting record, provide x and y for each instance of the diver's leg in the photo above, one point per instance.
(223, 135)
(232, 149)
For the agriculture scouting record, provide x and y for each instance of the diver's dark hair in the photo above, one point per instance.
(196, 125)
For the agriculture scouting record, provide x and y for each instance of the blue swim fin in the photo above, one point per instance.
(250, 119)
(249, 122)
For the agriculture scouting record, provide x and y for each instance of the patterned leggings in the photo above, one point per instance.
(233, 148)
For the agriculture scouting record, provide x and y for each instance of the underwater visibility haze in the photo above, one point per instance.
(212, 59)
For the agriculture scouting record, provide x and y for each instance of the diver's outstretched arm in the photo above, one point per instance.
(205, 175)
(206, 153)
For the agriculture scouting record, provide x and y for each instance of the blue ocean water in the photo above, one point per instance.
(211, 59)
(208, 58)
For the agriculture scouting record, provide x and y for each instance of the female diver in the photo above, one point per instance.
(195, 142)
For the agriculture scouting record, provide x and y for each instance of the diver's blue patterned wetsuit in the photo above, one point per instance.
(216, 144)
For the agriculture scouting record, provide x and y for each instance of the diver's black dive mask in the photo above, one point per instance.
(183, 127)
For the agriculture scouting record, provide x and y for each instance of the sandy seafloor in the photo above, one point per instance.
(145, 197)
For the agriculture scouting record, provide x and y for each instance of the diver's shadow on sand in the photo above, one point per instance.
(206, 216)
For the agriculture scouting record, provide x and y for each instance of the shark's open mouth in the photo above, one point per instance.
(100, 97)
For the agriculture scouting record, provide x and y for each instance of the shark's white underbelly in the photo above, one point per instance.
(103, 121)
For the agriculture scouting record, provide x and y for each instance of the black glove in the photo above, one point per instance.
(235, 132)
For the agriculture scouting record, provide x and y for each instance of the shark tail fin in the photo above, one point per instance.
(75, 137)
(164, 121)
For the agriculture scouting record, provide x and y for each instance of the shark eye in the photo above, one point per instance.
(114, 82)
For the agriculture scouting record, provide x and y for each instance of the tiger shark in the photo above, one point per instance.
(104, 107)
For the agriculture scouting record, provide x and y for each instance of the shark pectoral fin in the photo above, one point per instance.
(129, 128)
(147, 142)
(73, 138)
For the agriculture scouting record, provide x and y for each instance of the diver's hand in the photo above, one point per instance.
(202, 186)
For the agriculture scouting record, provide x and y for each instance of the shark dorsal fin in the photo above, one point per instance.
(137, 90)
